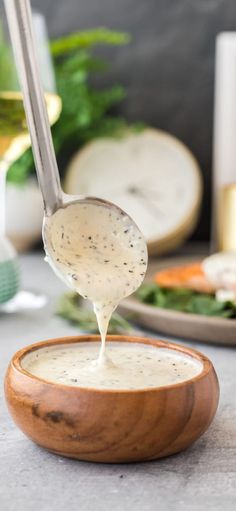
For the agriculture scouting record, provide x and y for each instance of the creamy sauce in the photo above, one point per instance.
(135, 366)
(99, 252)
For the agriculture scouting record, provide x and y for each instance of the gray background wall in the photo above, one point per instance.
(168, 69)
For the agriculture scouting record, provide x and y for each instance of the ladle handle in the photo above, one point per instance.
(20, 26)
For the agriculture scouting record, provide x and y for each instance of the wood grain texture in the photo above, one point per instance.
(112, 426)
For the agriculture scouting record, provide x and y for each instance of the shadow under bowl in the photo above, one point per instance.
(112, 426)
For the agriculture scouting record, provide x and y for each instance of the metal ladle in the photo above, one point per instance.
(22, 37)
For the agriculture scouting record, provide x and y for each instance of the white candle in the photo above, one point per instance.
(129, 365)
(224, 145)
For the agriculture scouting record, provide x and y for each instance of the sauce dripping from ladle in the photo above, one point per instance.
(99, 252)
(114, 271)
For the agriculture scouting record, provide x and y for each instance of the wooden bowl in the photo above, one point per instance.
(111, 425)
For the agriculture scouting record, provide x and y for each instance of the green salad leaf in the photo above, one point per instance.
(185, 300)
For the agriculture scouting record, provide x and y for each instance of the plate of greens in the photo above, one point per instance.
(176, 299)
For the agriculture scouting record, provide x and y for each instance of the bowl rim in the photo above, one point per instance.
(192, 352)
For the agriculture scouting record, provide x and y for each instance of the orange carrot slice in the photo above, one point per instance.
(189, 276)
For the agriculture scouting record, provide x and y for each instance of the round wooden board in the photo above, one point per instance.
(179, 324)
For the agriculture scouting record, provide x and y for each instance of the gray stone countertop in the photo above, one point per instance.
(31, 479)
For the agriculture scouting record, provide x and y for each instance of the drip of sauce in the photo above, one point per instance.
(135, 366)
(100, 253)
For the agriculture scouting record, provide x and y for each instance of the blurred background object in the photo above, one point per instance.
(21, 206)
(167, 70)
(137, 72)
(21, 209)
(149, 174)
(224, 161)
(24, 212)
(226, 214)
(9, 271)
(84, 115)
(153, 77)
